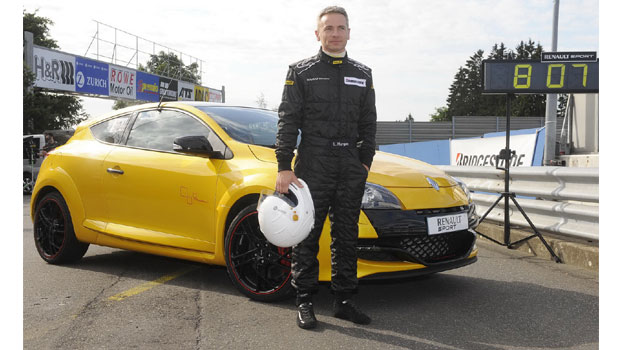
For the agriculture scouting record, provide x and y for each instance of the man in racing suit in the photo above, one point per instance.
(329, 98)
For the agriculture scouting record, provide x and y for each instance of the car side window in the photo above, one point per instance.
(112, 130)
(157, 130)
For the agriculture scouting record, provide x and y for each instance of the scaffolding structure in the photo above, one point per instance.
(126, 49)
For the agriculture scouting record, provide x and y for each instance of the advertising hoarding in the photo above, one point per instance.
(54, 70)
(147, 87)
(92, 76)
(122, 82)
(483, 151)
(185, 91)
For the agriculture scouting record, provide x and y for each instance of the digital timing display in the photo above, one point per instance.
(536, 77)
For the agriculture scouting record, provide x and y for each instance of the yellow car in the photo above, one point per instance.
(182, 179)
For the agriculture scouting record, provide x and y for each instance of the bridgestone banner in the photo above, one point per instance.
(483, 151)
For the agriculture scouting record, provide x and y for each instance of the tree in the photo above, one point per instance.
(119, 104)
(42, 110)
(409, 118)
(440, 115)
(261, 101)
(170, 65)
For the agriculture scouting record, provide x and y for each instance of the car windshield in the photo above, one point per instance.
(247, 125)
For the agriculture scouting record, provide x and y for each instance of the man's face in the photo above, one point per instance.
(332, 32)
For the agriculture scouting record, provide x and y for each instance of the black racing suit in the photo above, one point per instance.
(332, 102)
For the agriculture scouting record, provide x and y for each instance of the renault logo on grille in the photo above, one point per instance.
(433, 183)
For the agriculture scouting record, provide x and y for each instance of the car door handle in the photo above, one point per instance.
(115, 171)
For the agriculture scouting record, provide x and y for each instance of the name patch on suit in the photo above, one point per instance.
(355, 81)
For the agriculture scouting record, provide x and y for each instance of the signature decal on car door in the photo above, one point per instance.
(189, 196)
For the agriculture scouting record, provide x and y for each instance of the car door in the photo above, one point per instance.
(84, 159)
(155, 194)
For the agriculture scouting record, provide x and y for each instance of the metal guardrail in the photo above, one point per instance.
(560, 200)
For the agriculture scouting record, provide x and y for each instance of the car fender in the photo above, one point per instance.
(58, 179)
(250, 185)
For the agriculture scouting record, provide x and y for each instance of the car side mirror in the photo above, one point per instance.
(194, 145)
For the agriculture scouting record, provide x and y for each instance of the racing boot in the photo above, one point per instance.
(345, 308)
(305, 313)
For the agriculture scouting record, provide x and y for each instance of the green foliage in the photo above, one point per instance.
(41, 110)
(119, 104)
(170, 65)
(440, 115)
(39, 26)
(465, 94)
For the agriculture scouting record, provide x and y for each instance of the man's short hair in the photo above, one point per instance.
(333, 9)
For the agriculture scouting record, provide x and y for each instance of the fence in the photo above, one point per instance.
(459, 127)
(557, 199)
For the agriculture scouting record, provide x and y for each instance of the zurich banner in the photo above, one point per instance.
(92, 76)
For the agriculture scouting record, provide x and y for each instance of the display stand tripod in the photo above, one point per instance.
(506, 155)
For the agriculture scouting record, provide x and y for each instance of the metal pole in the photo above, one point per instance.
(552, 101)
(506, 218)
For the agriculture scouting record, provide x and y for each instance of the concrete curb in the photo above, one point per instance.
(571, 251)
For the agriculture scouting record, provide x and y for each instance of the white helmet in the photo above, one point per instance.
(286, 219)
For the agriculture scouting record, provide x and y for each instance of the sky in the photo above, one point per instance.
(414, 47)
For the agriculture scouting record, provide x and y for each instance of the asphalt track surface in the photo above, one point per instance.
(115, 299)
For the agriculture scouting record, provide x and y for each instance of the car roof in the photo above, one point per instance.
(179, 104)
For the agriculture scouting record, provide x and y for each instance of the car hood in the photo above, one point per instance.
(388, 170)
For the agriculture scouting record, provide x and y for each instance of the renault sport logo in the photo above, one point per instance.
(433, 183)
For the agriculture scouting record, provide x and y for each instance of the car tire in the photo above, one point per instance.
(257, 268)
(54, 233)
(28, 183)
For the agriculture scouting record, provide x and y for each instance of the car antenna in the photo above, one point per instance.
(160, 100)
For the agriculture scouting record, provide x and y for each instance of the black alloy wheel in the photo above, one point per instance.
(54, 233)
(256, 267)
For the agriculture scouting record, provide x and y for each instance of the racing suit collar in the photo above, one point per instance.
(331, 60)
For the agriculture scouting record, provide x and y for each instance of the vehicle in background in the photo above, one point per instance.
(33, 154)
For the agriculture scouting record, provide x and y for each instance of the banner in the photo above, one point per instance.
(185, 91)
(483, 151)
(54, 70)
(201, 93)
(147, 87)
(59, 71)
(214, 95)
(168, 89)
(122, 82)
(92, 76)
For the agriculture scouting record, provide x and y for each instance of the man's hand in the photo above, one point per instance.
(366, 167)
(286, 177)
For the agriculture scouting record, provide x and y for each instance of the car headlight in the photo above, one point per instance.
(464, 188)
(378, 197)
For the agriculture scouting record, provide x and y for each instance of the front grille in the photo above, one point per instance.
(392, 222)
(423, 249)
